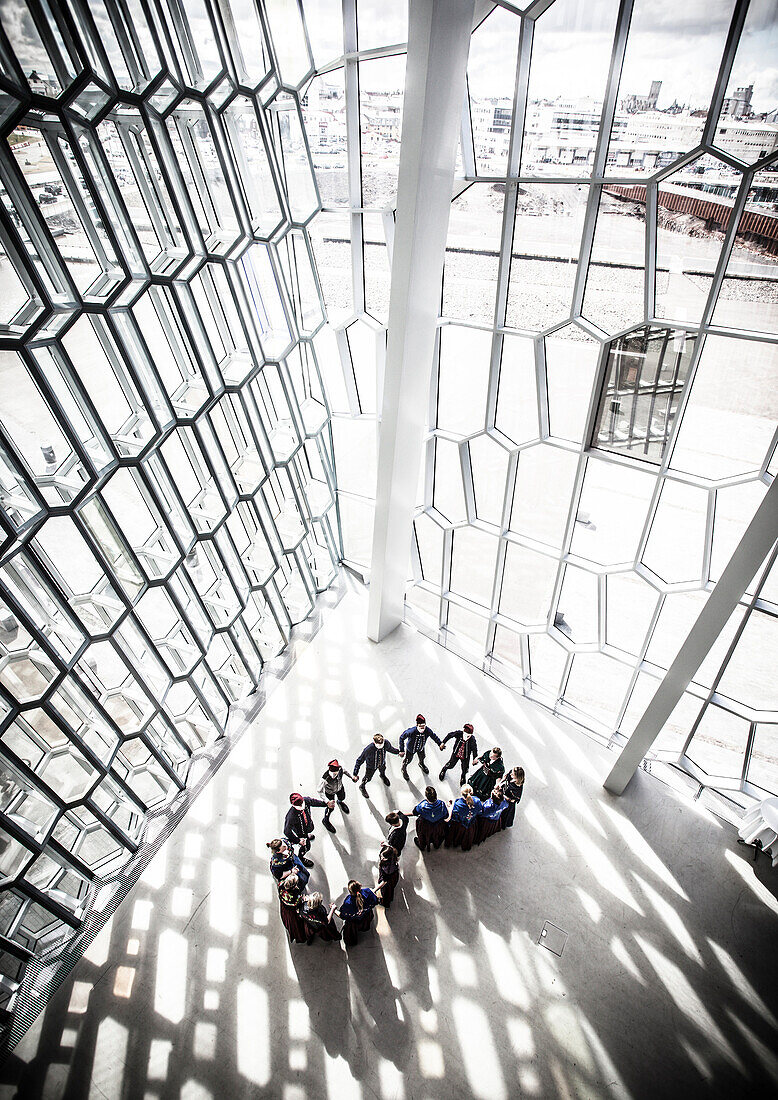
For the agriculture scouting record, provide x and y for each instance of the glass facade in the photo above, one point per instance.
(196, 237)
(166, 466)
(602, 418)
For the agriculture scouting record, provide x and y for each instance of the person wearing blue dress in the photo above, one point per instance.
(356, 911)
(490, 820)
(431, 815)
(460, 830)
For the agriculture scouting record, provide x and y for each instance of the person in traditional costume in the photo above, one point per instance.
(331, 788)
(283, 861)
(356, 911)
(388, 874)
(491, 815)
(513, 789)
(318, 920)
(373, 756)
(492, 769)
(413, 743)
(464, 750)
(290, 892)
(298, 823)
(460, 830)
(431, 815)
(398, 833)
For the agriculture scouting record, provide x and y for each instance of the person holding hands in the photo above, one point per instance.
(413, 742)
(463, 751)
(298, 824)
(332, 789)
(373, 756)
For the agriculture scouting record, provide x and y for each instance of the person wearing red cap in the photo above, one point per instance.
(298, 823)
(331, 787)
(413, 742)
(464, 751)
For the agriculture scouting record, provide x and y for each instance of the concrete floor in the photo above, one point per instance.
(666, 985)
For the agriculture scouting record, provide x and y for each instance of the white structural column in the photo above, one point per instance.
(752, 550)
(438, 45)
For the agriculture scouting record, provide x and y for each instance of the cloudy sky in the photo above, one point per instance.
(679, 42)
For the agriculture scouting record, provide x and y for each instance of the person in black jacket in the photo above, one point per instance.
(298, 824)
(398, 833)
(464, 750)
(373, 756)
(413, 742)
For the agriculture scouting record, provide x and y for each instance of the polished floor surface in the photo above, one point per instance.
(666, 984)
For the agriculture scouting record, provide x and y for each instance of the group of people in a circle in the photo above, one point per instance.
(487, 804)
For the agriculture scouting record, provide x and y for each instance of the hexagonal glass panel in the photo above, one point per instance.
(719, 743)
(676, 542)
(614, 298)
(472, 254)
(544, 255)
(489, 469)
(463, 379)
(661, 115)
(747, 299)
(747, 676)
(536, 513)
(688, 241)
(517, 398)
(324, 114)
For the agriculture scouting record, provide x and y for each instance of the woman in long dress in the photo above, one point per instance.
(431, 814)
(290, 894)
(491, 815)
(491, 771)
(460, 831)
(513, 789)
(318, 920)
(388, 874)
(356, 911)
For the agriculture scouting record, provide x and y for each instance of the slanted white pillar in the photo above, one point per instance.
(751, 551)
(438, 45)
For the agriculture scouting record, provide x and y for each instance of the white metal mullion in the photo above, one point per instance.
(354, 154)
(466, 137)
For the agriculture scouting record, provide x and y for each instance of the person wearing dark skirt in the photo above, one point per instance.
(318, 920)
(356, 911)
(491, 815)
(460, 830)
(283, 860)
(290, 894)
(513, 789)
(431, 814)
(398, 833)
(492, 769)
(388, 874)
